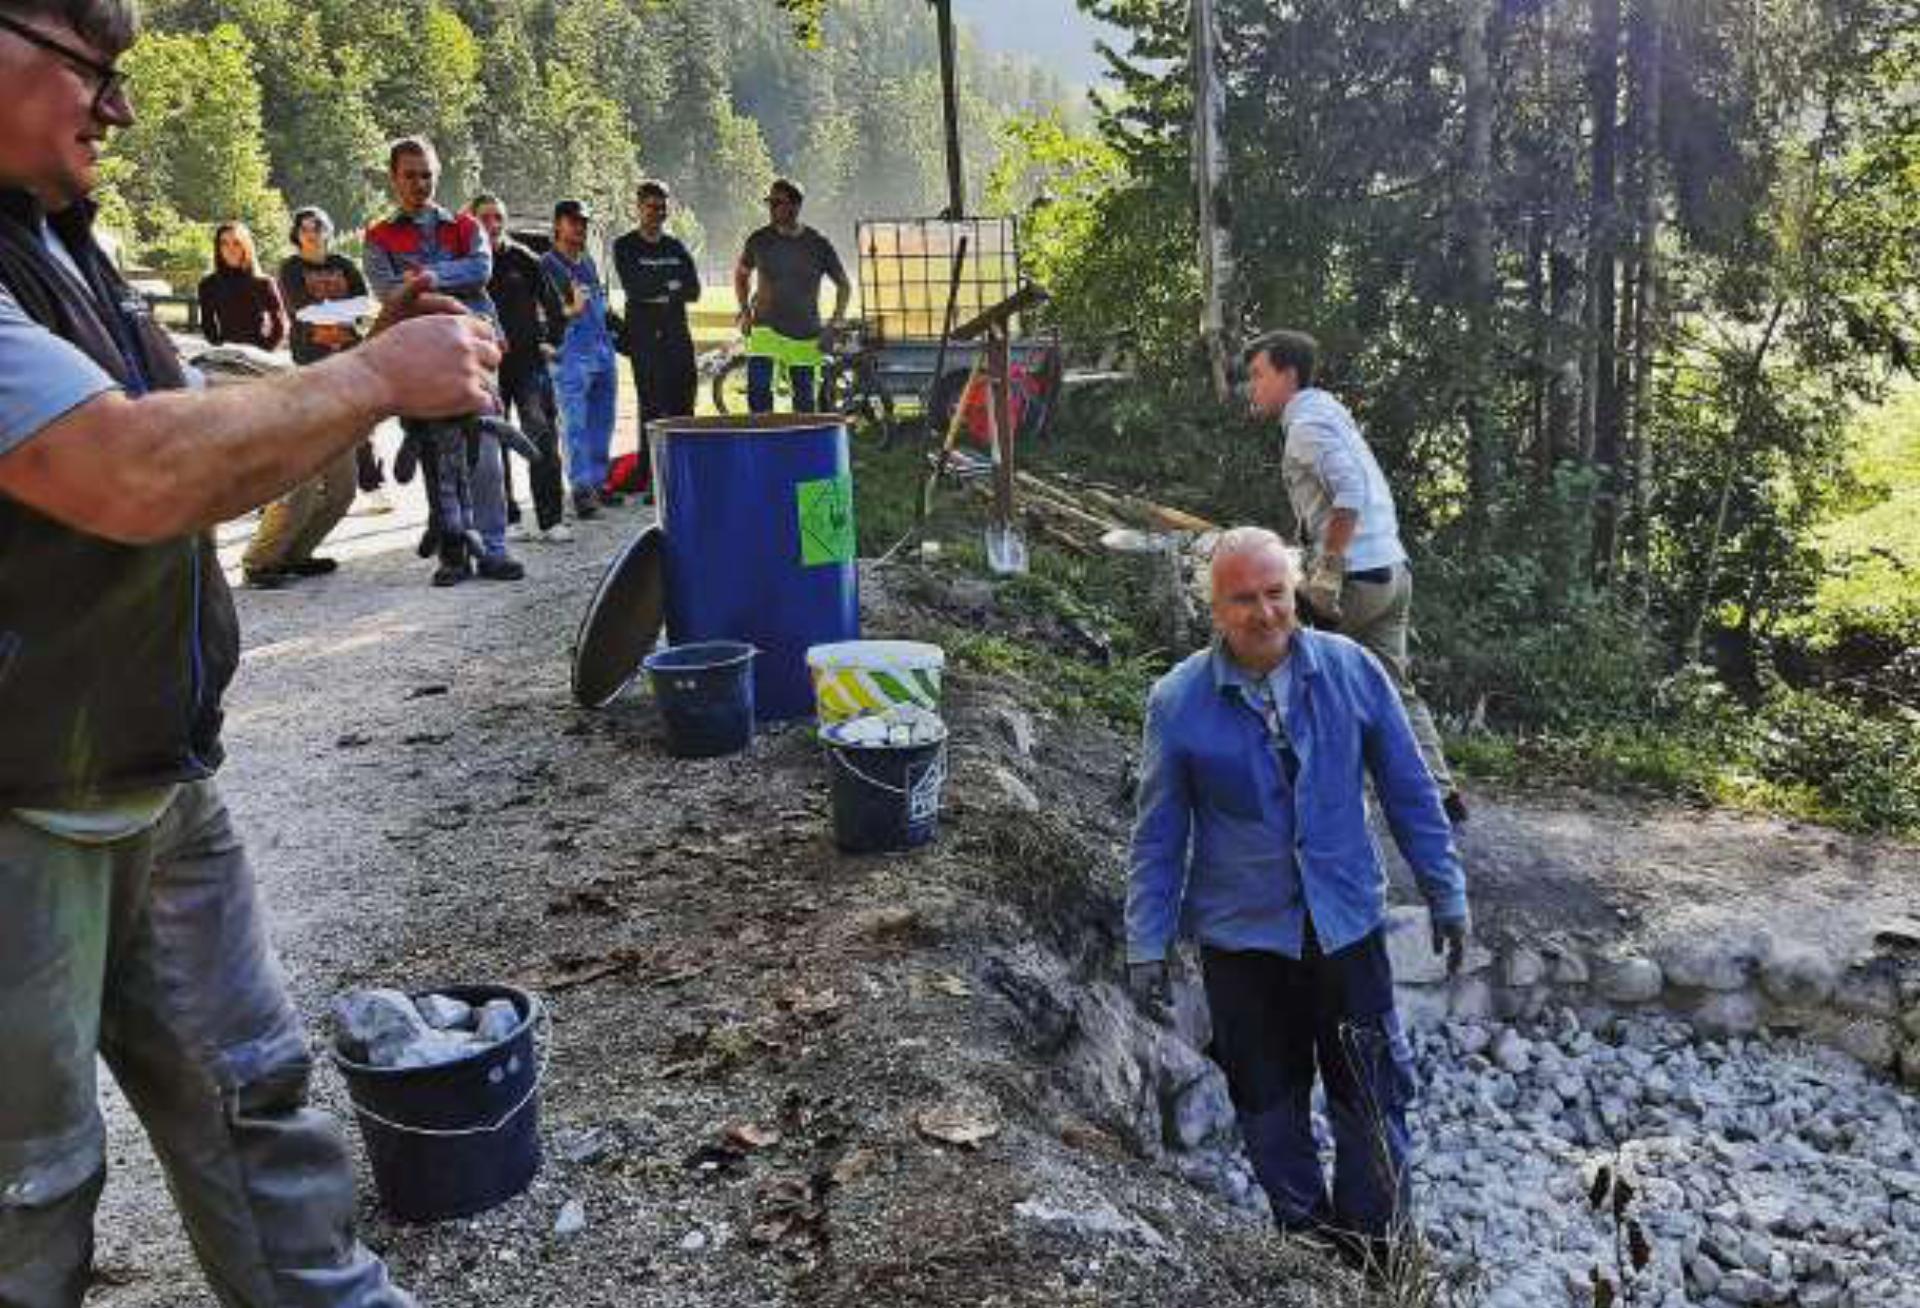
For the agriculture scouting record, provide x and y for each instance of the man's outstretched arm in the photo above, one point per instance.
(163, 465)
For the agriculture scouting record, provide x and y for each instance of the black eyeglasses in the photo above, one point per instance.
(111, 83)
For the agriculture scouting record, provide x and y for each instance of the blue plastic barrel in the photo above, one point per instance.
(757, 514)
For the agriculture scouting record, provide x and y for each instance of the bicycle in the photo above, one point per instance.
(849, 383)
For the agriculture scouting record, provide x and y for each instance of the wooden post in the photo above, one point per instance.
(1210, 182)
(950, 105)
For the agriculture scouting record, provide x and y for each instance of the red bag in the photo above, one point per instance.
(629, 474)
(1024, 385)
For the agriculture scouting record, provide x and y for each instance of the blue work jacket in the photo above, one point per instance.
(1229, 849)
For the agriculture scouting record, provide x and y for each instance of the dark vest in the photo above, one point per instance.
(113, 657)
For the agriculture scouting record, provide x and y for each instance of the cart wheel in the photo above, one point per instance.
(730, 387)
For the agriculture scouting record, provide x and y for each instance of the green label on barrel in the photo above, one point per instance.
(826, 520)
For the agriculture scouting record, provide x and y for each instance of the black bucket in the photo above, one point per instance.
(705, 693)
(457, 1139)
(885, 797)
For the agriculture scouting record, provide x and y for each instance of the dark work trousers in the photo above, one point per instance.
(1278, 1020)
(664, 376)
(526, 397)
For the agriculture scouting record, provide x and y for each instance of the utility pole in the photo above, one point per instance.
(1210, 182)
(950, 104)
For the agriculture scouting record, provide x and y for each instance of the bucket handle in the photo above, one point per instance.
(543, 1039)
(842, 757)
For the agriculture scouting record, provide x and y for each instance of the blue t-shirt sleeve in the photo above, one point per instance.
(41, 376)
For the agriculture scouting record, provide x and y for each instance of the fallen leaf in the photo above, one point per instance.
(948, 984)
(882, 923)
(957, 1124)
(747, 1135)
(853, 1166)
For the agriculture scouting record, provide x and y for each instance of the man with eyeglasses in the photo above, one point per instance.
(130, 928)
(777, 283)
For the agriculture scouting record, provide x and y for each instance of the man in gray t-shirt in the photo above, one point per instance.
(777, 283)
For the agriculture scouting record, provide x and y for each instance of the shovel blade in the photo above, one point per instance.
(1006, 549)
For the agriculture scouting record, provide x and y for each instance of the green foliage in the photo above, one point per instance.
(1864, 767)
(194, 157)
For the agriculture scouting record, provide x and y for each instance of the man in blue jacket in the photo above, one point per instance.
(1252, 836)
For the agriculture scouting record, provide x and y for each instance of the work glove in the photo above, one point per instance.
(1450, 938)
(1151, 986)
(1321, 590)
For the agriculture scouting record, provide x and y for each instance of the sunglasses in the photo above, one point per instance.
(110, 86)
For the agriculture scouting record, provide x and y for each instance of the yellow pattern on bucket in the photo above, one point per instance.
(852, 677)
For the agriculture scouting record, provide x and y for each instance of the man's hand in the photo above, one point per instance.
(432, 365)
(1151, 986)
(1450, 938)
(744, 320)
(1321, 590)
(416, 299)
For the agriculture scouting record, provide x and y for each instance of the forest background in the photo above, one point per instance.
(1626, 293)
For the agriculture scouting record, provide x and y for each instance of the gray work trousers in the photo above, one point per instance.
(151, 951)
(1377, 615)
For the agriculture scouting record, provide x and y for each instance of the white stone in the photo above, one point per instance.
(1512, 1052)
(572, 1219)
(1870, 1042)
(1523, 967)
(1631, 980)
(1017, 792)
(498, 1020)
(1735, 1013)
(1799, 977)
(1869, 990)
(1707, 964)
(1567, 967)
(694, 1241)
(1469, 999)
(444, 1012)
(1410, 947)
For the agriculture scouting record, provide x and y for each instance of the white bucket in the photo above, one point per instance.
(852, 677)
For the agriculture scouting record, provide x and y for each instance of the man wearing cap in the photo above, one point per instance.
(131, 928)
(584, 373)
(777, 283)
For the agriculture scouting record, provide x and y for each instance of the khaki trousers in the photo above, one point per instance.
(293, 526)
(1377, 615)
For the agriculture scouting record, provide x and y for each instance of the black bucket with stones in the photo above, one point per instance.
(459, 1138)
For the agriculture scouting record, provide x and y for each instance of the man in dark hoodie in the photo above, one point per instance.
(534, 321)
(660, 280)
(130, 922)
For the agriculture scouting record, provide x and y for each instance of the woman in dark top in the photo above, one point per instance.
(312, 275)
(237, 305)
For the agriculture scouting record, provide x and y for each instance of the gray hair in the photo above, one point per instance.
(1254, 540)
(108, 25)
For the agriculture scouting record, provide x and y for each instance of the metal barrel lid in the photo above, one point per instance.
(622, 622)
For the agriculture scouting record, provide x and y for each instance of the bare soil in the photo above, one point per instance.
(748, 1026)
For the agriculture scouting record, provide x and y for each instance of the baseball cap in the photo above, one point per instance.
(573, 209)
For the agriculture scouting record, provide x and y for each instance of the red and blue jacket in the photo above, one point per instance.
(451, 246)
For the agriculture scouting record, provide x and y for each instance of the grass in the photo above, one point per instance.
(1873, 552)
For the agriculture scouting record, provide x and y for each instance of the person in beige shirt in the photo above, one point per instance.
(1358, 581)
